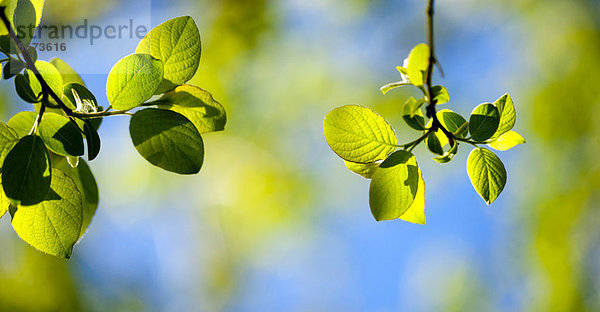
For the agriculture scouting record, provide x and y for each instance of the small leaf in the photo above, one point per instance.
(176, 43)
(487, 173)
(412, 114)
(447, 156)
(433, 144)
(53, 226)
(12, 68)
(508, 116)
(358, 134)
(392, 85)
(50, 74)
(507, 141)
(68, 74)
(418, 61)
(416, 212)
(26, 171)
(440, 94)
(197, 105)
(168, 140)
(365, 170)
(394, 186)
(25, 15)
(483, 122)
(22, 122)
(453, 122)
(86, 184)
(92, 138)
(133, 80)
(87, 100)
(23, 88)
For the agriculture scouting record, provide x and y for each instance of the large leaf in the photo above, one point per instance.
(394, 186)
(133, 80)
(418, 61)
(22, 122)
(197, 105)
(508, 116)
(167, 140)
(8, 139)
(22, 14)
(176, 43)
(68, 74)
(54, 225)
(416, 211)
(484, 122)
(487, 173)
(507, 141)
(86, 184)
(26, 171)
(357, 134)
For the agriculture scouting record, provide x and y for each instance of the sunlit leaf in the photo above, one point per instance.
(507, 141)
(447, 156)
(358, 134)
(416, 211)
(392, 85)
(50, 74)
(365, 170)
(440, 94)
(394, 186)
(487, 173)
(508, 116)
(23, 88)
(418, 61)
(197, 105)
(412, 114)
(26, 171)
(176, 43)
(8, 139)
(133, 80)
(168, 140)
(484, 122)
(68, 74)
(54, 225)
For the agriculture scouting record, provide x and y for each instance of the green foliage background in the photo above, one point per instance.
(277, 89)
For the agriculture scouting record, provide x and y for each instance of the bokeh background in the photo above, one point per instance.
(275, 222)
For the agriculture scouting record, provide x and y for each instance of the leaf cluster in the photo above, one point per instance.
(49, 190)
(368, 144)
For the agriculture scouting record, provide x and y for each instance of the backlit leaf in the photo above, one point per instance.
(487, 173)
(484, 122)
(133, 80)
(507, 141)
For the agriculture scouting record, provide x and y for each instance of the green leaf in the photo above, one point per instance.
(168, 140)
(133, 80)
(87, 101)
(508, 116)
(26, 171)
(440, 94)
(394, 186)
(92, 138)
(418, 61)
(68, 74)
(50, 74)
(54, 225)
(487, 173)
(392, 85)
(484, 122)
(365, 170)
(8, 139)
(86, 184)
(22, 122)
(447, 156)
(507, 141)
(23, 88)
(433, 143)
(453, 122)
(176, 43)
(412, 114)
(12, 68)
(23, 14)
(416, 211)
(197, 105)
(358, 134)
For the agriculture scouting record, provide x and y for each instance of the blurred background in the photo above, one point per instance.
(275, 222)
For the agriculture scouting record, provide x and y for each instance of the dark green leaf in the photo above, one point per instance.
(484, 122)
(26, 171)
(440, 94)
(23, 88)
(12, 68)
(167, 140)
(412, 114)
(92, 138)
(87, 101)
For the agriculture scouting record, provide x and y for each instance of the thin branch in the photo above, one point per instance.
(103, 113)
(431, 111)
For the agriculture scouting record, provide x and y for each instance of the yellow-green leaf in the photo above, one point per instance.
(487, 173)
(507, 141)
